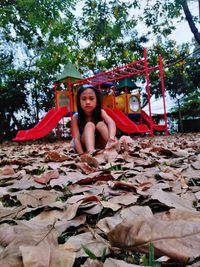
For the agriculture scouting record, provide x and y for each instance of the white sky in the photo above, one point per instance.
(182, 34)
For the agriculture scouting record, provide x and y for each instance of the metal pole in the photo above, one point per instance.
(148, 90)
(70, 96)
(55, 92)
(163, 93)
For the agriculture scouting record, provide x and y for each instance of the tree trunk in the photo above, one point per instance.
(180, 116)
(190, 21)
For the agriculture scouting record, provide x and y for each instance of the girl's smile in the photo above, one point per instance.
(88, 100)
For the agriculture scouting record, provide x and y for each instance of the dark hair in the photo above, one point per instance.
(97, 110)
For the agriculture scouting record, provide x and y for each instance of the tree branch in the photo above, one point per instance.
(191, 23)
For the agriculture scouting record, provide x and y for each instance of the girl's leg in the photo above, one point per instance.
(102, 134)
(88, 137)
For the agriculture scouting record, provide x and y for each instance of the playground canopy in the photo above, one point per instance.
(126, 83)
(69, 72)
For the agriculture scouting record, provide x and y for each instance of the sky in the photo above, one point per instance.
(181, 34)
(182, 30)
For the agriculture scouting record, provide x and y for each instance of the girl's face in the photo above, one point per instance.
(88, 100)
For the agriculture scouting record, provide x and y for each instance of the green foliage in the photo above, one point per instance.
(189, 106)
(89, 253)
(38, 171)
(39, 37)
(92, 256)
(36, 39)
(104, 26)
(115, 167)
(8, 201)
(159, 16)
(150, 260)
(64, 236)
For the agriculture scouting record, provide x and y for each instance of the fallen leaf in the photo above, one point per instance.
(46, 177)
(7, 170)
(55, 156)
(177, 239)
(118, 263)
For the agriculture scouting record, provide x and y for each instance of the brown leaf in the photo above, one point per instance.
(10, 213)
(71, 177)
(46, 177)
(92, 263)
(176, 214)
(101, 177)
(196, 165)
(72, 209)
(118, 263)
(86, 168)
(93, 243)
(7, 170)
(124, 199)
(124, 185)
(55, 156)
(112, 206)
(160, 172)
(180, 153)
(91, 161)
(172, 200)
(34, 256)
(36, 198)
(167, 176)
(162, 151)
(131, 213)
(24, 236)
(7, 234)
(178, 239)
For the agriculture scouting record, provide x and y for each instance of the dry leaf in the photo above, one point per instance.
(91, 161)
(55, 156)
(118, 263)
(177, 239)
(7, 170)
(46, 177)
(160, 173)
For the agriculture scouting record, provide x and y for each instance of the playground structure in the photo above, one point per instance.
(118, 99)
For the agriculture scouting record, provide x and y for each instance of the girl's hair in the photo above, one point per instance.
(97, 110)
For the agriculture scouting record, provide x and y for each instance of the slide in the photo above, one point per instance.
(43, 127)
(149, 121)
(124, 124)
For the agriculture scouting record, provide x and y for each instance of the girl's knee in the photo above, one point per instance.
(100, 125)
(90, 125)
(102, 130)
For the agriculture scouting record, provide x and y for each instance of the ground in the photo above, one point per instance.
(115, 208)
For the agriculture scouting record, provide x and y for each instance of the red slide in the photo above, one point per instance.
(124, 124)
(43, 127)
(149, 121)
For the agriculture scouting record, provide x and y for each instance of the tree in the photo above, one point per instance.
(159, 16)
(36, 38)
(109, 34)
(39, 37)
(190, 106)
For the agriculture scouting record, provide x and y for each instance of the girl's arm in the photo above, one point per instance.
(110, 123)
(76, 135)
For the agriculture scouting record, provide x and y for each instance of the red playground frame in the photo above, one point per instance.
(67, 105)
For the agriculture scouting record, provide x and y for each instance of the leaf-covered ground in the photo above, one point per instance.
(61, 210)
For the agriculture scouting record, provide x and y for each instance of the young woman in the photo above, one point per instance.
(92, 128)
